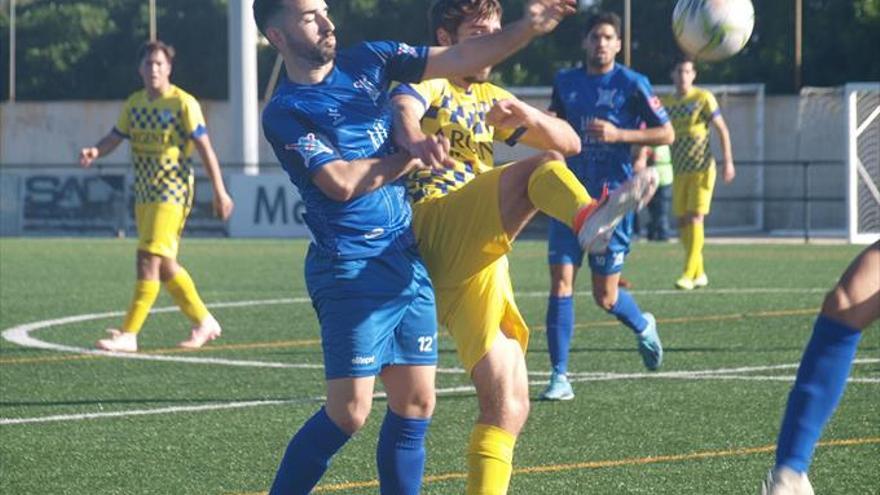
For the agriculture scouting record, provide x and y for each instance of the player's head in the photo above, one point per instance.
(453, 21)
(602, 39)
(155, 60)
(683, 73)
(301, 29)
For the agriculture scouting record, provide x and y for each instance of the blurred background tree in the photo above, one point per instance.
(86, 49)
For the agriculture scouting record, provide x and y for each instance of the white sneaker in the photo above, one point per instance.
(785, 481)
(206, 331)
(603, 215)
(701, 281)
(118, 341)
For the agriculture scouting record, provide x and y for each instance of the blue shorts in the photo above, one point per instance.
(564, 249)
(373, 312)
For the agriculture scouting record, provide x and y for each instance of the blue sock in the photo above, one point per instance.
(308, 455)
(400, 454)
(820, 382)
(627, 311)
(560, 327)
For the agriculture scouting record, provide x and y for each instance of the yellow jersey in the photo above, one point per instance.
(691, 115)
(460, 115)
(161, 132)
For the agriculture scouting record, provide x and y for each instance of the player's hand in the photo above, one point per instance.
(433, 151)
(87, 156)
(544, 15)
(603, 131)
(511, 114)
(223, 205)
(729, 172)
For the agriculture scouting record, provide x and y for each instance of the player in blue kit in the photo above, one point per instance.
(329, 125)
(606, 103)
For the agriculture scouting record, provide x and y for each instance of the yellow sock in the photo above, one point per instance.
(698, 242)
(490, 460)
(183, 291)
(687, 240)
(554, 190)
(694, 250)
(145, 293)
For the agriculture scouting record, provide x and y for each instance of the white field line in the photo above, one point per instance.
(719, 374)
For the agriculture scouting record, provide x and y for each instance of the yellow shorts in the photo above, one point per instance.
(464, 245)
(692, 192)
(159, 227)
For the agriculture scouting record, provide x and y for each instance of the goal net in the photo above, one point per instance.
(862, 103)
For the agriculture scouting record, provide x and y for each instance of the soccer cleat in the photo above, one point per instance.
(118, 341)
(649, 344)
(559, 388)
(595, 223)
(685, 283)
(701, 281)
(206, 331)
(785, 481)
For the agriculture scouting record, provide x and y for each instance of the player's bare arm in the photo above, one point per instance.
(606, 132)
(341, 180)
(432, 150)
(222, 202)
(540, 17)
(543, 131)
(105, 146)
(728, 171)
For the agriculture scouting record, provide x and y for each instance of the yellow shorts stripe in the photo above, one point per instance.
(159, 227)
(692, 192)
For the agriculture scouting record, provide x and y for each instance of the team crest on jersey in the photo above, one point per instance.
(606, 97)
(404, 49)
(309, 146)
(336, 117)
(368, 87)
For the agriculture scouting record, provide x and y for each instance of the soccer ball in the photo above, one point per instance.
(712, 30)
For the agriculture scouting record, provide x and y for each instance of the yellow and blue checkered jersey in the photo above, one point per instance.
(161, 132)
(691, 115)
(459, 114)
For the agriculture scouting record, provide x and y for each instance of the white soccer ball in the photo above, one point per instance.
(713, 30)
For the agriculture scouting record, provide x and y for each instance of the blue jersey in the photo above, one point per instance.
(624, 98)
(346, 117)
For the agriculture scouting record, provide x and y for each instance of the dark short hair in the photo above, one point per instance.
(683, 58)
(609, 18)
(265, 10)
(450, 14)
(149, 47)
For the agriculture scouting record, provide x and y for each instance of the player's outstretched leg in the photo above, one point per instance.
(821, 379)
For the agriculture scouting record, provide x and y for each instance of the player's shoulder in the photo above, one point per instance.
(701, 93)
(137, 98)
(381, 50)
(489, 91)
(631, 76)
(186, 99)
(570, 74)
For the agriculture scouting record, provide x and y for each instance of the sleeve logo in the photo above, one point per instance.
(308, 146)
(404, 49)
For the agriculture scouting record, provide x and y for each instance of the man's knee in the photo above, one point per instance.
(604, 299)
(417, 404)
(552, 156)
(350, 416)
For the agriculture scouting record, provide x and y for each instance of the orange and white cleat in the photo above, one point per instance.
(206, 331)
(595, 223)
(118, 341)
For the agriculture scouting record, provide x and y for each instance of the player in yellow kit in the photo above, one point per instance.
(163, 124)
(692, 110)
(467, 212)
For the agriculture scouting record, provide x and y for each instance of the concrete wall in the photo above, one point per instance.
(51, 133)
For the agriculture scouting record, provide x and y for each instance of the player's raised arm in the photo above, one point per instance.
(342, 180)
(105, 146)
(541, 130)
(540, 17)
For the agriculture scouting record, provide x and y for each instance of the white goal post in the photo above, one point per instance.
(862, 104)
